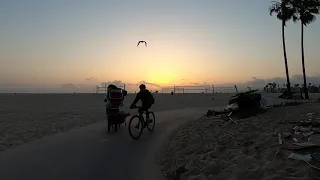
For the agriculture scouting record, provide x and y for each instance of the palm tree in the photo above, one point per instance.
(284, 12)
(274, 86)
(305, 12)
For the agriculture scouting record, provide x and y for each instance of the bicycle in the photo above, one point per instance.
(141, 122)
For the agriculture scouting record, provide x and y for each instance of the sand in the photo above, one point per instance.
(211, 149)
(26, 117)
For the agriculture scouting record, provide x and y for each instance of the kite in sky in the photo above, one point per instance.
(145, 43)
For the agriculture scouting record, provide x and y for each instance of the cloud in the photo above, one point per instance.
(295, 79)
(256, 82)
(132, 87)
(117, 83)
(69, 86)
(91, 79)
(148, 83)
(90, 86)
(195, 83)
(79, 88)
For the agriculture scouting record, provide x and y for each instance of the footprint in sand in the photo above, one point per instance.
(220, 148)
(213, 168)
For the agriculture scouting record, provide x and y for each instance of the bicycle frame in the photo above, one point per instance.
(141, 114)
(143, 122)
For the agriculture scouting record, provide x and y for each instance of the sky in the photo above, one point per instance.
(73, 45)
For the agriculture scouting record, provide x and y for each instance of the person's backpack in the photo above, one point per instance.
(115, 98)
(151, 98)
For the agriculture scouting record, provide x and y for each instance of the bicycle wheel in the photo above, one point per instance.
(136, 126)
(151, 122)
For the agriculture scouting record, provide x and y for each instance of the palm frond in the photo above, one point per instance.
(308, 19)
(282, 9)
(275, 8)
(306, 10)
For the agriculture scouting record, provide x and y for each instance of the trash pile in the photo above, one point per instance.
(242, 105)
(247, 100)
(304, 140)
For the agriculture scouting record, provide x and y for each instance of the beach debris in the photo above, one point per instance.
(305, 144)
(292, 95)
(315, 138)
(243, 105)
(310, 114)
(300, 157)
(302, 133)
(227, 117)
(315, 130)
(291, 103)
(316, 156)
(247, 100)
(295, 139)
(310, 123)
(286, 134)
(302, 128)
(232, 120)
(230, 107)
(279, 137)
(313, 166)
(307, 134)
(302, 145)
(179, 171)
(210, 113)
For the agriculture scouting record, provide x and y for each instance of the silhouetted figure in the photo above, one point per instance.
(146, 98)
(113, 99)
(145, 43)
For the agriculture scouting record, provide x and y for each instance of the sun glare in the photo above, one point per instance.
(162, 76)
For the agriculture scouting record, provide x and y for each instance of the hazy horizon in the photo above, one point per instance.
(134, 87)
(67, 46)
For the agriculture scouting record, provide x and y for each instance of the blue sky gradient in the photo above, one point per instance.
(52, 43)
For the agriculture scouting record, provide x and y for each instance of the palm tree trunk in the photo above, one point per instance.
(286, 60)
(303, 67)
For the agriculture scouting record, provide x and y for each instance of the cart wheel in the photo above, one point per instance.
(109, 126)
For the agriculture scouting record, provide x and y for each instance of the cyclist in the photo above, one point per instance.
(146, 98)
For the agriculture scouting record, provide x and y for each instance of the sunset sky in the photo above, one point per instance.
(66, 43)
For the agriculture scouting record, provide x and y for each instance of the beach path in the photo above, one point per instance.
(91, 153)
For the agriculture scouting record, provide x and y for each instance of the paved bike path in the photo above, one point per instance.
(91, 153)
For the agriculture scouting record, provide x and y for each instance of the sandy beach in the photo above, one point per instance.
(26, 117)
(211, 149)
